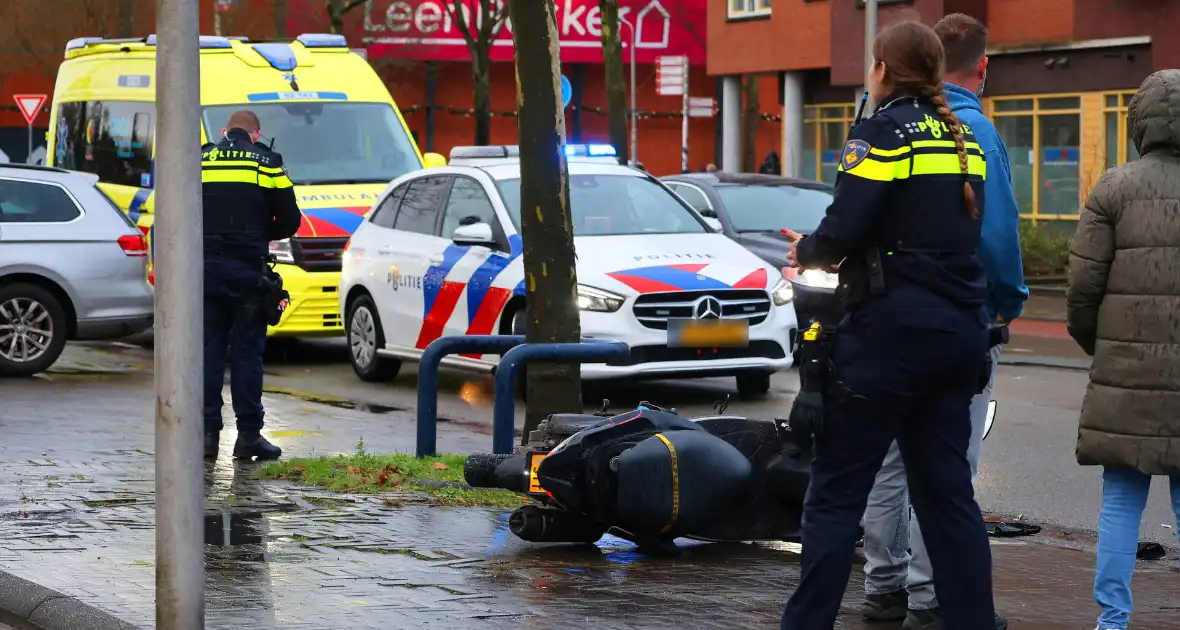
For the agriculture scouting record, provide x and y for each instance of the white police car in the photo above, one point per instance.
(440, 254)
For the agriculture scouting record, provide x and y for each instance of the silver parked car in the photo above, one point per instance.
(72, 266)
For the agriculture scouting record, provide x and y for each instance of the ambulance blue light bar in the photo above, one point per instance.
(204, 41)
(322, 40)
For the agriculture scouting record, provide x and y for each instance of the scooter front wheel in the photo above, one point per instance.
(550, 525)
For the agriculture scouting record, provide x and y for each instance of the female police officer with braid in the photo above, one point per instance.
(909, 354)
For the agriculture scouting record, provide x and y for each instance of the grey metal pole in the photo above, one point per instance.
(179, 262)
(870, 35)
(634, 101)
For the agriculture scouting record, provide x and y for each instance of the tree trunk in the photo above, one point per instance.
(547, 229)
(280, 19)
(751, 117)
(616, 81)
(123, 23)
(481, 68)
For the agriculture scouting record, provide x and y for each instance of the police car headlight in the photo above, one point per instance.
(782, 292)
(818, 278)
(281, 250)
(591, 299)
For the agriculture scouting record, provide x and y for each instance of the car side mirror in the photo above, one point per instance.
(476, 234)
(433, 160)
(714, 224)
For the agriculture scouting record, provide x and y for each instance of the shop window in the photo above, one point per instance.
(1118, 147)
(111, 139)
(826, 127)
(1043, 137)
(748, 8)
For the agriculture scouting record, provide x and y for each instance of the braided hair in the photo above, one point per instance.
(913, 58)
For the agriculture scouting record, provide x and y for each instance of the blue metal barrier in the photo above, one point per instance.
(504, 404)
(428, 378)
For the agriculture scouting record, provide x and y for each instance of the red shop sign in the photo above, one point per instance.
(427, 29)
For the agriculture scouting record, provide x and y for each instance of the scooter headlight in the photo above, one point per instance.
(818, 278)
(782, 293)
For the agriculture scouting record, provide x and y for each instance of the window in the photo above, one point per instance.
(385, 213)
(421, 206)
(695, 198)
(467, 204)
(330, 143)
(111, 139)
(35, 202)
(771, 208)
(604, 205)
(1043, 137)
(825, 130)
(748, 8)
(1118, 147)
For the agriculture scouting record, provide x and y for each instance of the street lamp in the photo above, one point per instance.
(634, 106)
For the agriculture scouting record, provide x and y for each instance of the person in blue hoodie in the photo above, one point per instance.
(899, 580)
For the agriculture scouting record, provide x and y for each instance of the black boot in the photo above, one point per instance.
(932, 620)
(255, 446)
(885, 606)
(212, 442)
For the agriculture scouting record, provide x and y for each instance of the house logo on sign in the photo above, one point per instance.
(653, 18)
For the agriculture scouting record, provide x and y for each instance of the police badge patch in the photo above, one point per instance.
(855, 152)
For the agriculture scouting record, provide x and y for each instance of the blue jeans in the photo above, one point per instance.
(1124, 495)
(234, 324)
(910, 377)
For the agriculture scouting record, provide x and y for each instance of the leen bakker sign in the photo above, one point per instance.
(427, 29)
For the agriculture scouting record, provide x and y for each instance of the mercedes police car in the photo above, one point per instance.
(440, 254)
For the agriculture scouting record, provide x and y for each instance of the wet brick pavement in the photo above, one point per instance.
(76, 512)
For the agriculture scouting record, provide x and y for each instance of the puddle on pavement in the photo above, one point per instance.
(332, 401)
(235, 536)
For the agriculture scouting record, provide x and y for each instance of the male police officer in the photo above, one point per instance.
(897, 562)
(248, 201)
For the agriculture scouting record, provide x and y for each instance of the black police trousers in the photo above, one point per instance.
(906, 372)
(235, 324)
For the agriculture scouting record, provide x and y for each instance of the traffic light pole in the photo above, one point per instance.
(179, 262)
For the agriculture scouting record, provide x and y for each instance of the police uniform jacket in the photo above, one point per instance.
(900, 190)
(248, 199)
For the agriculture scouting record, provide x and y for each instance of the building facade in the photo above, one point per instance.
(1061, 73)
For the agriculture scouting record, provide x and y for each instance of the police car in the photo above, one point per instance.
(440, 254)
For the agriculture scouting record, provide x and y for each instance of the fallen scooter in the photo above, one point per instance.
(650, 476)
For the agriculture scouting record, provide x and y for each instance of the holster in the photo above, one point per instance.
(815, 369)
(861, 277)
(272, 297)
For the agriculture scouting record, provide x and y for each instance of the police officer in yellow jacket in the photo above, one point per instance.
(910, 352)
(248, 201)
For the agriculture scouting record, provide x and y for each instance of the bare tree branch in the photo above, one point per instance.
(455, 7)
(681, 13)
(352, 5)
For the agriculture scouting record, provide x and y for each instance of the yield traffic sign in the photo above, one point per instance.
(29, 105)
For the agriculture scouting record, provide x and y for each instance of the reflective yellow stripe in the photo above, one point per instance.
(675, 483)
(918, 144)
(947, 164)
(231, 163)
(880, 171)
(270, 170)
(230, 176)
(267, 181)
(889, 152)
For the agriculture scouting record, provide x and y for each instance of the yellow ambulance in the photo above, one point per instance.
(321, 106)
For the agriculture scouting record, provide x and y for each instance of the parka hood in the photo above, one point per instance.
(1153, 115)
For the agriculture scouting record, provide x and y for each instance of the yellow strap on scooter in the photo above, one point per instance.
(675, 483)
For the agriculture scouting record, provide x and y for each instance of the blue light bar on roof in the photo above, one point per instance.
(279, 56)
(322, 40)
(589, 150)
(81, 42)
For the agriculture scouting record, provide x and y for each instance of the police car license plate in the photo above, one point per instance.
(708, 333)
(534, 465)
